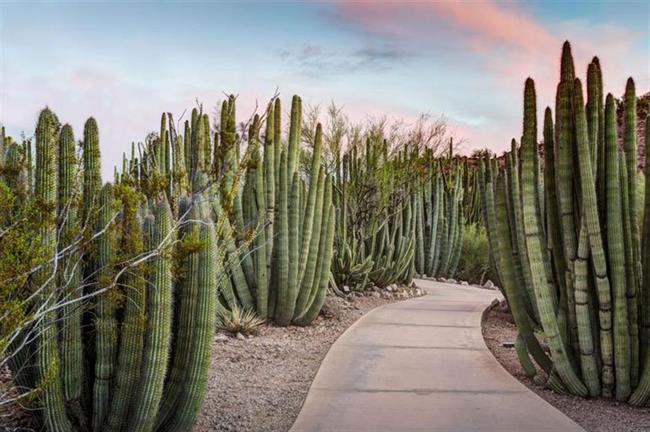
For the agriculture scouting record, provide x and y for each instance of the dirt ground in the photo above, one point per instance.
(259, 384)
(594, 415)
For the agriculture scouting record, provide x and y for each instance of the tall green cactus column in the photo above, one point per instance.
(633, 264)
(47, 346)
(69, 273)
(641, 395)
(196, 320)
(133, 326)
(630, 146)
(592, 224)
(553, 231)
(543, 290)
(616, 256)
(281, 245)
(564, 170)
(308, 220)
(319, 288)
(516, 297)
(92, 184)
(269, 201)
(105, 322)
(157, 342)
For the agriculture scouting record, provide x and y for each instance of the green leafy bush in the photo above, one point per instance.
(474, 266)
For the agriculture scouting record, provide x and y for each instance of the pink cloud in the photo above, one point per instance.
(510, 45)
(484, 23)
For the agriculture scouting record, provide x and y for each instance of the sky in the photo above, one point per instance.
(125, 62)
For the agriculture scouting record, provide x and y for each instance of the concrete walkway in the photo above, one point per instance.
(422, 365)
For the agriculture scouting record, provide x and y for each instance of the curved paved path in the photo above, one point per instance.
(422, 365)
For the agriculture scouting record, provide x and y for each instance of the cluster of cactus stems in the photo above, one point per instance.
(440, 220)
(107, 338)
(374, 228)
(565, 239)
(398, 213)
(274, 224)
(191, 227)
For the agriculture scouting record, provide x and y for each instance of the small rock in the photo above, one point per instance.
(375, 295)
(464, 283)
(489, 285)
(346, 289)
(508, 344)
(220, 338)
(442, 280)
(389, 288)
(240, 336)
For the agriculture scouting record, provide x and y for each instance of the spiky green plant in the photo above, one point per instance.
(580, 248)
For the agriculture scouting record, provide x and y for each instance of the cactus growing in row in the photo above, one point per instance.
(47, 346)
(69, 276)
(265, 217)
(584, 281)
(199, 223)
(111, 375)
(440, 223)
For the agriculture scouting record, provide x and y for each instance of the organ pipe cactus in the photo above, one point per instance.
(69, 273)
(133, 327)
(158, 299)
(115, 379)
(642, 393)
(191, 359)
(47, 346)
(543, 290)
(105, 323)
(256, 230)
(279, 208)
(588, 304)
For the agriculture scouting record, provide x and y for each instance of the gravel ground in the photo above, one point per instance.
(259, 384)
(594, 415)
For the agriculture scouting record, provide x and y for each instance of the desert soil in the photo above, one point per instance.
(594, 415)
(259, 384)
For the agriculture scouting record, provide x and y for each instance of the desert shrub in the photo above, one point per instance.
(474, 266)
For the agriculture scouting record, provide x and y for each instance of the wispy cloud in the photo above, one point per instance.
(316, 61)
(485, 23)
